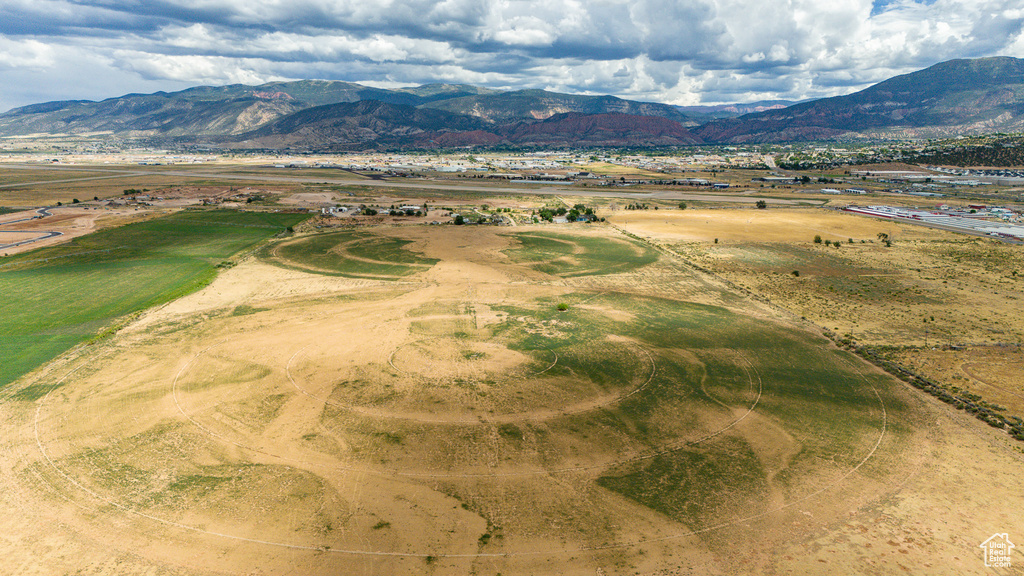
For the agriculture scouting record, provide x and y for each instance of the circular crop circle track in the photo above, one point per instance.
(423, 363)
(459, 359)
(120, 505)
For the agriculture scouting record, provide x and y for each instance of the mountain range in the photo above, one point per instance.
(950, 98)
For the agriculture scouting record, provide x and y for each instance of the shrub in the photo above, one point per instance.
(562, 306)
(817, 238)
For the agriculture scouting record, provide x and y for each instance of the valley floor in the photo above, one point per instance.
(483, 400)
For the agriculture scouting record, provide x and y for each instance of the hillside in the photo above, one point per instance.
(200, 111)
(604, 130)
(358, 124)
(370, 123)
(221, 111)
(504, 107)
(955, 97)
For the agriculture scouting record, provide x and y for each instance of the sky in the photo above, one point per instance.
(685, 52)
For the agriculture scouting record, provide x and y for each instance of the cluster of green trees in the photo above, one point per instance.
(580, 210)
(573, 214)
(550, 213)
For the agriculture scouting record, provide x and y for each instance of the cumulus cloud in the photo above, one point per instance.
(699, 51)
(25, 54)
(195, 69)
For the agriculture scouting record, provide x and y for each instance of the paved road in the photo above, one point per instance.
(538, 189)
(43, 212)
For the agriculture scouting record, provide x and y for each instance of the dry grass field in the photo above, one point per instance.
(485, 400)
(945, 305)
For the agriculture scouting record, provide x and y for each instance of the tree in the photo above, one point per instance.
(761, 204)
(459, 220)
(817, 238)
(682, 205)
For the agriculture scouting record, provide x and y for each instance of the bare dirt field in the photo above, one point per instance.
(484, 400)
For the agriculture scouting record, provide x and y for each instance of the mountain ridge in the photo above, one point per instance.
(950, 98)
